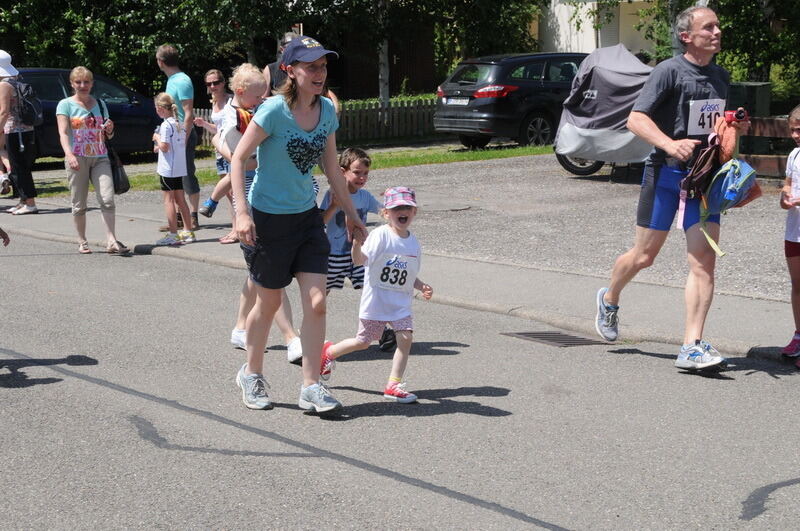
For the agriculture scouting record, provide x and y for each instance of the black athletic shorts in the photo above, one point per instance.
(287, 244)
(169, 184)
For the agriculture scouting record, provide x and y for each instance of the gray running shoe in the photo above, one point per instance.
(606, 322)
(318, 398)
(254, 389)
(701, 355)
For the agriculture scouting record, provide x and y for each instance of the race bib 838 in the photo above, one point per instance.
(395, 272)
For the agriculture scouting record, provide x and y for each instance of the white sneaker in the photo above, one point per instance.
(14, 208)
(26, 209)
(294, 350)
(238, 337)
(701, 355)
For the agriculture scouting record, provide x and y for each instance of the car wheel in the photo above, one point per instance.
(474, 142)
(579, 166)
(536, 130)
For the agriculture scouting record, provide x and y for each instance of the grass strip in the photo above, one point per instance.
(381, 159)
(440, 155)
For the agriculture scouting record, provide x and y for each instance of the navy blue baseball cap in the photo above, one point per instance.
(304, 49)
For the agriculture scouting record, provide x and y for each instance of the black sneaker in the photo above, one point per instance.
(195, 222)
(387, 342)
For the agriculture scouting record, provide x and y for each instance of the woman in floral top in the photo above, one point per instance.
(83, 127)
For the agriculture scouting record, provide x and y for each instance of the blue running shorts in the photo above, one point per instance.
(660, 199)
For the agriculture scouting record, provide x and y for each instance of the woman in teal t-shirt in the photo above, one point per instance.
(284, 236)
(83, 127)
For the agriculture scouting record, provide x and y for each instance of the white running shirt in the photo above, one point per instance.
(793, 214)
(391, 269)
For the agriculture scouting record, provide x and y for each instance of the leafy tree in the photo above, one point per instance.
(757, 34)
(119, 37)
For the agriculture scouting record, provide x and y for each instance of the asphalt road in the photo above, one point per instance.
(119, 410)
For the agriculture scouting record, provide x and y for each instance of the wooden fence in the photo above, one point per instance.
(771, 127)
(361, 121)
(205, 137)
(371, 121)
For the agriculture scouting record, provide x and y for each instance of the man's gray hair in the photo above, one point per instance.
(683, 22)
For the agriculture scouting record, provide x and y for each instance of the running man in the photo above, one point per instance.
(675, 113)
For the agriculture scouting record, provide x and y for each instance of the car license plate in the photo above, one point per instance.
(457, 101)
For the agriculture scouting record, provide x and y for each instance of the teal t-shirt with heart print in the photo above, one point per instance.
(283, 182)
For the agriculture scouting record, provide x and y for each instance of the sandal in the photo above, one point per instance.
(229, 238)
(83, 248)
(117, 248)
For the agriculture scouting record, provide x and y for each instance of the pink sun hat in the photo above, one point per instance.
(399, 196)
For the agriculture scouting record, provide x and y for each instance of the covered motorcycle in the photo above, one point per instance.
(593, 122)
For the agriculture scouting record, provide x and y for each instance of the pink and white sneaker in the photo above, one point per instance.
(792, 350)
(398, 393)
(326, 362)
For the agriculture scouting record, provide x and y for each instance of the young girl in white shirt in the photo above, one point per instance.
(391, 256)
(170, 144)
(790, 200)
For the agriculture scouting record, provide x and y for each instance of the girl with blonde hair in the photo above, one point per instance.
(170, 144)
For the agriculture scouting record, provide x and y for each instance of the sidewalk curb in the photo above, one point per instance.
(565, 322)
(586, 327)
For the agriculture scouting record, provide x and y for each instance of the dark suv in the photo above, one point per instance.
(516, 96)
(134, 115)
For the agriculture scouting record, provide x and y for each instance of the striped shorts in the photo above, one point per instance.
(340, 266)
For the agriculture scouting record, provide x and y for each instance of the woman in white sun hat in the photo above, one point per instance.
(17, 139)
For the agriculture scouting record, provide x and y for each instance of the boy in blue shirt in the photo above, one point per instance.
(355, 165)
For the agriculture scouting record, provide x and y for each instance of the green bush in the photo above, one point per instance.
(393, 99)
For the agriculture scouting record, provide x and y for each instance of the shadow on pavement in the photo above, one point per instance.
(18, 379)
(642, 353)
(749, 366)
(423, 348)
(443, 405)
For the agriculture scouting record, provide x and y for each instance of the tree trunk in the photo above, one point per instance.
(383, 72)
(677, 47)
(383, 60)
(251, 49)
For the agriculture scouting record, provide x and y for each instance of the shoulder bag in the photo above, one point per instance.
(118, 173)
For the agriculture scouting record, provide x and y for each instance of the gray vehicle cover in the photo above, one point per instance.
(593, 122)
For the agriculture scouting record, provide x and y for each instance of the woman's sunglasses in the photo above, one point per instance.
(213, 83)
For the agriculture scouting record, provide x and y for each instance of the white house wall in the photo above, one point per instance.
(628, 35)
(558, 33)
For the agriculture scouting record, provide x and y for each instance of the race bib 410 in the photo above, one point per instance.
(703, 115)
